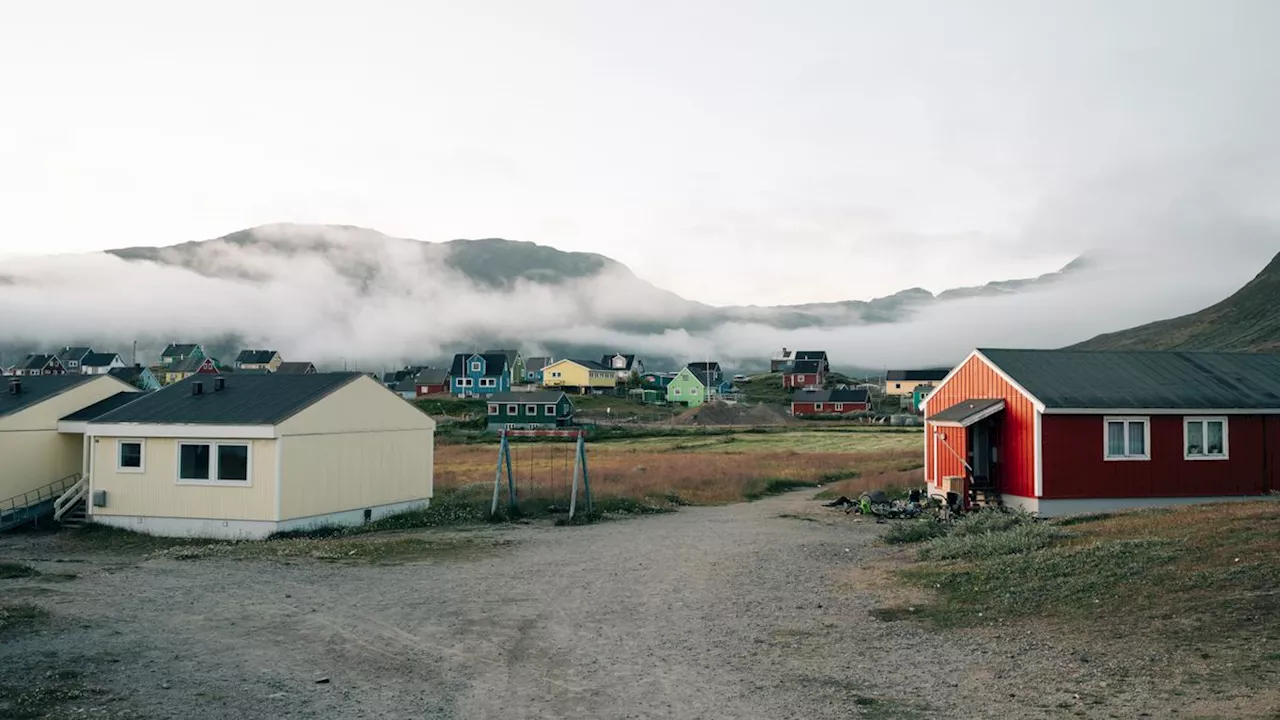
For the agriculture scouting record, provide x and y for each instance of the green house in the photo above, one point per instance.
(546, 409)
(686, 389)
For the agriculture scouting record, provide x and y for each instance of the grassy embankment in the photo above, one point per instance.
(1201, 580)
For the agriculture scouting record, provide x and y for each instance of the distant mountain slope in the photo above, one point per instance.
(1248, 321)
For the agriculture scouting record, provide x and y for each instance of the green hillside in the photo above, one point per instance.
(1248, 321)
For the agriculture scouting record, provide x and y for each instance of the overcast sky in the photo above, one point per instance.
(731, 151)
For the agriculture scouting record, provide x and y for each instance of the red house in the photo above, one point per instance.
(841, 401)
(432, 381)
(808, 369)
(1068, 431)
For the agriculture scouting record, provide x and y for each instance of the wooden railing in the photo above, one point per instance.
(68, 499)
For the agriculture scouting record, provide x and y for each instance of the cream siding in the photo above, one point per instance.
(32, 452)
(348, 471)
(155, 492)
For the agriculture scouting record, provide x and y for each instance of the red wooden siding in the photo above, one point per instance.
(828, 408)
(436, 389)
(1015, 433)
(801, 380)
(1073, 447)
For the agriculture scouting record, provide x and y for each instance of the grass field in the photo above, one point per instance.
(693, 469)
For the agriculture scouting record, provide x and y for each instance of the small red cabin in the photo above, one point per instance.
(805, 374)
(841, 401)
(1068, 431)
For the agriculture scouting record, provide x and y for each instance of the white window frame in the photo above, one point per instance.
(142, 455)
(1127, 420)
(488, 382)
(476, 366)
(677, 391)
(513, 409)
(839, 407)
(531, 409)
(464, 382)
(1204, 420)
(817, 407)
(549, 409)
(493, 408)
(213, 464)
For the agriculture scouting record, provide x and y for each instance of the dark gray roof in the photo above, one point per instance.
(589, 364)
(811, 355)
(510, 355)
(607, 361)
(539, 396)
(73, 352)
(246, 400)
(128, 374)
(254, 357)
(536, 363)
(179, 349)
(36, 361)
(1156, 380)
(98, 359)
(805, 367)
(190, 364)
(495, 364)
(102, 407)
(36, 389)
(966, 409)
(933, 375)
(295, 368)
(432, 376)
(838, 395)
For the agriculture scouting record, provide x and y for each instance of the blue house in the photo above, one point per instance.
(479, 374)
(138, 376)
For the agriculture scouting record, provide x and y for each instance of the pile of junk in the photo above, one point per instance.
(878, 504)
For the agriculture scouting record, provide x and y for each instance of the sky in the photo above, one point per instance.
(738, 152)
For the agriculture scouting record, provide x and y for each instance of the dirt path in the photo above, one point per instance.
(745, 611)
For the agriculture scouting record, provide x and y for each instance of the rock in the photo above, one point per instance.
(322, 681)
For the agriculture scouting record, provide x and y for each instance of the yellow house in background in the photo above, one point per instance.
(904, 382)
(268, 360)
(582, 375)
(245, 456)
(34, 453)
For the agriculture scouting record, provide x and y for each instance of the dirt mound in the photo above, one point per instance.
(718, 413)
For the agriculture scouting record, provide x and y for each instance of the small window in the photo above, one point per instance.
(531, 410)
(817, 407)
(513, 409)
(1205, 438)
(233, 463)
(1127, 438)
(549, 410)
(677, 391)
(193, 461)
(475, 367)
(129, 455)
(73, 363)
(493, 408)
(897, 386)
(839, 407)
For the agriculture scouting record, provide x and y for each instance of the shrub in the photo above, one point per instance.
(1015, 540)
(991, 520)
(16, 570)
(914, 531)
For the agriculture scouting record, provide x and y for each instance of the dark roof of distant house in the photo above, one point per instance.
(255, 357)
(74, 352)
(36, 361)
(536, 363)
(838, 395)
(703, 367)
(295, 368)
(36, 389)
(245, 371)
(102, 407)
(189, 364)
(510, 355)
(431, 376)
(607, 361)
(495, 364)
(538, 396)
(933, 375)
(129, 374)
(99, 359)
(1099, 379)
(246, 400)
(811, 355)
(179, 349)
(406, 385)
(589, 364)
(805, 366)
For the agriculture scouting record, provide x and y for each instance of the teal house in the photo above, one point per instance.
(542, 410)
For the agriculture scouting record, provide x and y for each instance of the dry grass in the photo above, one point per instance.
(698, 470)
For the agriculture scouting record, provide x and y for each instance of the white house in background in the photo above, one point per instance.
(72, 356)
(33, 451)
(244, 456)
(96, 363)
(623, 365)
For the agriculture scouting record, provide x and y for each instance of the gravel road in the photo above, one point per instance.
(745, 611)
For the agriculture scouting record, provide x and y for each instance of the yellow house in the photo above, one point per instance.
(245, 456)
(268, 360)
(905, 382)
(581, 375)
(34, 454)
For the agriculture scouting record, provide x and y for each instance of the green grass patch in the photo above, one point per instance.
(1015, 540)
(10, 570)
(21, 614)
(913, 531)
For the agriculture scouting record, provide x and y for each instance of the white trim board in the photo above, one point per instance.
(1078, 506)
(194, 432)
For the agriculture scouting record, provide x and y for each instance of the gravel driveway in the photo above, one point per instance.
(745, 611)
